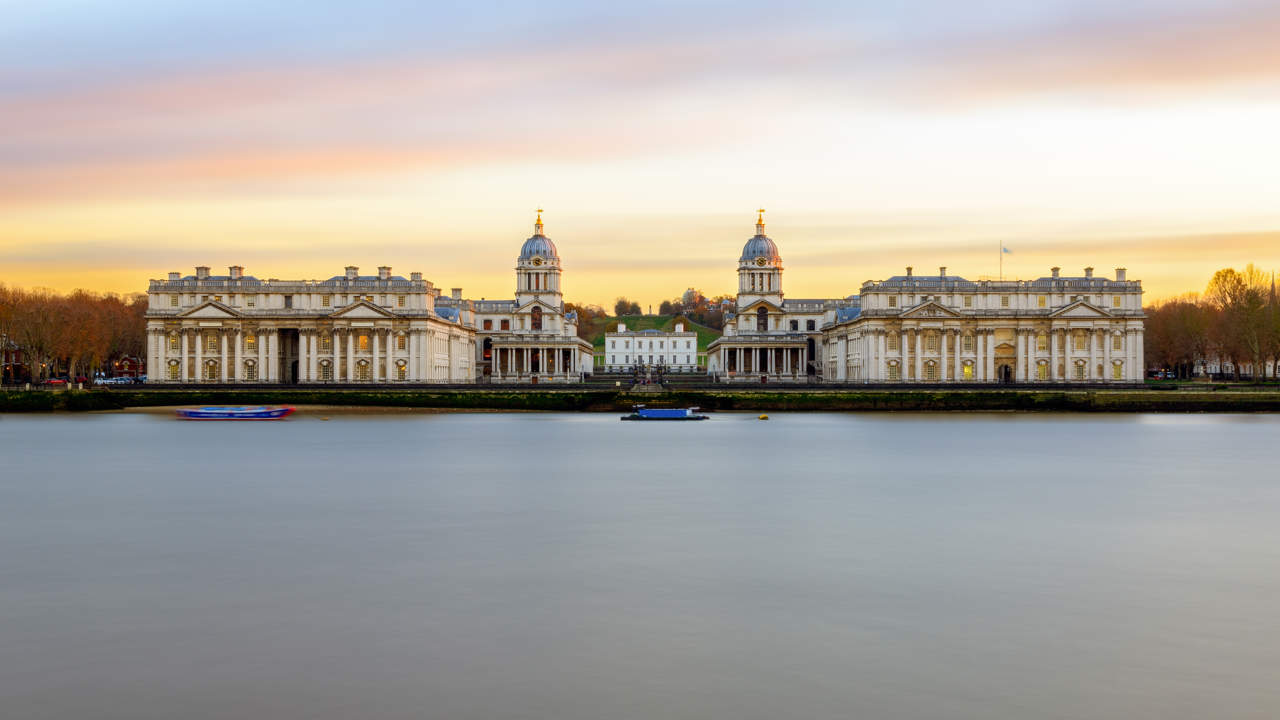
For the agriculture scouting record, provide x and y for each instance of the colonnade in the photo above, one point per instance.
(875, 359)
(785, 361)
(517, 361)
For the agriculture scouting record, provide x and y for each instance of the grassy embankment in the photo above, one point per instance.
(665, 323)
(612, 400)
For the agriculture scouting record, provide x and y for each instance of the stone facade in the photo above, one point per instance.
(350, 328)
(675, 351)
(946, 329)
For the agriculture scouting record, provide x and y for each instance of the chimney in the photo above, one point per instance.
(1055, 271)
(679, 327)
(236, 272)
(416, 276)
(352, 272)
(456, 293)
(1088, 272)
(942, 271)
(1119, 274)
(622, 327)
(384, 272)
(175, 276)
(202, 272)
(908, 271)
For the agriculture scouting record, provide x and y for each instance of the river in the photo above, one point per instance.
(570, 566)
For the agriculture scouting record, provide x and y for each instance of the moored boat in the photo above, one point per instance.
(225, 412)
(644, 413)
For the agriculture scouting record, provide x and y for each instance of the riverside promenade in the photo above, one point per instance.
(597, 398)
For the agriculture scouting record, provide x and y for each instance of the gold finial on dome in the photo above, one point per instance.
(537, 224)
(760, 222)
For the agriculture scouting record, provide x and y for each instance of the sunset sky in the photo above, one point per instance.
(295, 138)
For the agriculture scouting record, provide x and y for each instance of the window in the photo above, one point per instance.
(363, 372)
(171, 372)
(795, 325)
(1079, 371)
(217, 298)
(401, 372)
(895, 372)
(173, 301)
(613, 359)
(891, 342)
(1041, 301)
(175, 343)
(326, 342)
(931, 342)
(506, 324)
(968, 372)
(326, 370)
(288, 301)
(1117, 371)
(250, 342)
(250, 370)
(363, 342)
(251, 301)
(488, 324)
(400, 301)
(368, 298)
(1115, 301)
(1081, 341)
(1042, 372)
(402, 342)
(808, 325)
(967, 343)
(931, 372)
(968, 301)
(762, 320)
(1004, 301)
(1117, 342)
(210, 341)
(1042, 342)
(893, 301)
(204, 298)
(325, 301)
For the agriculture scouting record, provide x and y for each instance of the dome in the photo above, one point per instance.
(760, 246)
(539, 245)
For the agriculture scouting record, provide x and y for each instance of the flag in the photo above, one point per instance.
(1005, 250)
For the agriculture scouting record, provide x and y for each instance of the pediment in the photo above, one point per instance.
(211, 309)
(361, 310)
(930, 309)
(1080, 309)
(529, 306)
(753, 307)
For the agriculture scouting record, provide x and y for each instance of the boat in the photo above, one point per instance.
(644, 413)
(225, 412)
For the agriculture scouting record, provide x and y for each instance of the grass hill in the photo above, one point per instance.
(665, 323)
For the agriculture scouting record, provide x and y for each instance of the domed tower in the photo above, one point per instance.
(538, 270)
(759, 269)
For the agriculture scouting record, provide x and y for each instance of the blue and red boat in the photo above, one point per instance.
(226, 412)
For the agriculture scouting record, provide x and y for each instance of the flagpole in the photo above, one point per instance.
(1002, 258)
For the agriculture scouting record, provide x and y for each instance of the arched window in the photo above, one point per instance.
(536, 318)
(762, 320)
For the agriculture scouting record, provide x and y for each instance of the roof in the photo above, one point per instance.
(760, 246)
(845, 314)
(538, 245)
(448, 313)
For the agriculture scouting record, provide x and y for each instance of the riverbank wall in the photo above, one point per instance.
(612, 400)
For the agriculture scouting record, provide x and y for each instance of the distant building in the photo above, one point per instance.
(529, 339)
(14, 367)
(942, 329)
(766, 337)
(674, 351)
(351, 328)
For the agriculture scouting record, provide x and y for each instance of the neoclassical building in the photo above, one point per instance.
(674, 351)
(531, 338)
(946, 329)
(350, 328)
(766, 337)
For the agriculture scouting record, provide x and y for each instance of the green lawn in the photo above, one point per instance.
(666, 323)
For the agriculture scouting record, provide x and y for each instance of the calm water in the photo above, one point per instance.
(496, 566)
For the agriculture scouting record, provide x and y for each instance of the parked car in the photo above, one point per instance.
(56, 381)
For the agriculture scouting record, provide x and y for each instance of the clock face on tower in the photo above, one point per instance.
(537, 261)
(762, 261)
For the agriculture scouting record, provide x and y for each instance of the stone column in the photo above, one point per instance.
(199, 355)
(919, 364)
(881, 357)
(222, 350)
(957, 345)
(1093, 355)
(1106, 355)
(334, 344)
(350, 374)
(375, 339)
(942, 355)
(391, 355)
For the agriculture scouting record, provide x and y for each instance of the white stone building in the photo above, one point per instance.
(946, 329)
(350, 328)
(674, 351)
(766, 337)
(529, 339)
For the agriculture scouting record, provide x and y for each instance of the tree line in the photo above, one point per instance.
(1236, 321)
(77, 333)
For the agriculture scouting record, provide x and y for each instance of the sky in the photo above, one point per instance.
(295, 138)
